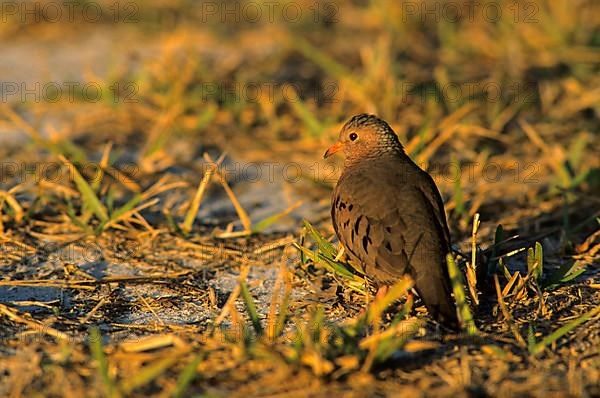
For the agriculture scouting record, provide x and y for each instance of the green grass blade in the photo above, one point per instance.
(535, 262)
(321, 58)
(186, 377)
(282, 316)
(565, 273)
(406, 329)
(88, 195)
(268, 221)
(172, 224)
(323, 244)
(131, 203)
(577, 150)
(464, 312)
(498, 237)
(207, 116)
(504, 269)
(73, 217)
(329, 264)
(560, 332)
(310, 121)
(148, 373)
(71, 150)
(531, 338)
(332, 67)
(251, 308)
(95, 341)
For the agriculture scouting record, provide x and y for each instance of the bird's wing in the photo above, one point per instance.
(395, 227)
(384, 227)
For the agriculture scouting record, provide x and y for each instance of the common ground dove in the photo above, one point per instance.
(389, 215)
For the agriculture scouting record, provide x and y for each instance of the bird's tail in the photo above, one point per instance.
(439, 301)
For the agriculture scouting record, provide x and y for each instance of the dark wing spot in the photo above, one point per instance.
(350, 207)
(351, 251)
(365, 243)
(388, 246)
(402, 223)
(389, 229)
(352, 236)
(357, 224)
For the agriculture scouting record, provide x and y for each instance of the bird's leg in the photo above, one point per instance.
(339, 254)
(410, 298)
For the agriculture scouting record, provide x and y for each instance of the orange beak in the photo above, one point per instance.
(333, 149)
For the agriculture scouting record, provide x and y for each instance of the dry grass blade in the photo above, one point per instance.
(195, 204)
(472, 266)
(161, 186)
(448, 127)
(149, 343)
(123, 179)
(162, 128)
(13, 203)
(513, 280)
(276, 321)
(93, 311)
(244, 218)
(507, 316)
(383, 345)
(127, 211)
(22, 124)
(372, 341)
(396, 291)
(88, 284)
(230, 300)
(32, 323)
(554, 157)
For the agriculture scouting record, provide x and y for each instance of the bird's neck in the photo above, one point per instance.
(383, 153)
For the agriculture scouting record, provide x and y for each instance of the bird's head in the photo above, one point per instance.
(365, 136)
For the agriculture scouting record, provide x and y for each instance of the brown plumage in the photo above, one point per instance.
(389, 215)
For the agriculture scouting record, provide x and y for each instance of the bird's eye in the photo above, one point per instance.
(353, 136)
